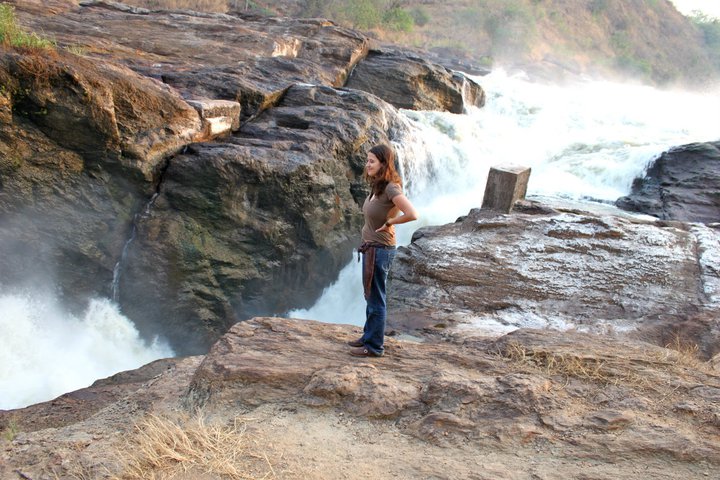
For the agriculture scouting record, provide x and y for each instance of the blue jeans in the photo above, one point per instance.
(376, 310)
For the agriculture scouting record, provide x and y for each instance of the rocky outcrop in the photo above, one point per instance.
(254, 224)
(411, 82)
(251, 60)
(100, 194)
(82, 144)
(555, 268)
(566, 400)
(682, 184)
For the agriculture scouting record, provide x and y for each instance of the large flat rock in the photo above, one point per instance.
(558, 268)
(533, 403)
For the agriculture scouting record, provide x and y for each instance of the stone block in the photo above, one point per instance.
(505, 185)
(218, 116)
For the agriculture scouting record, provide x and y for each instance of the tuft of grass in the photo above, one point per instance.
(12, 35)
(687, 353)
(76, 50)
(164, 447)
(10, 431)
(557, 364)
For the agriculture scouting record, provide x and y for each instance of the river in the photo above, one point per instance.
(584, 142)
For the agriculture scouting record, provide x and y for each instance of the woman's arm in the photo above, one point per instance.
(406, 207)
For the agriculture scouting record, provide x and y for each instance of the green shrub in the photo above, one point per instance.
(398, 19)
(420, 16)
(11, 34)
(363, 14)
(598, 6)
(710, 28)
(10, 431)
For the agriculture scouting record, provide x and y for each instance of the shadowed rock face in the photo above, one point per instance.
(255, 223)
(411, 82)
(82, 143)
(682, 184)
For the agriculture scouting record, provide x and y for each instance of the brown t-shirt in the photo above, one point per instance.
(377, 211)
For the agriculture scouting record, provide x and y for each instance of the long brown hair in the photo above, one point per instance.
(387, 173)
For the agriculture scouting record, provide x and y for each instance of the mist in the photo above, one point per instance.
(46, 351)
(585, 142)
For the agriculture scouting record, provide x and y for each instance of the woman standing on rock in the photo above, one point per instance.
(381, 209)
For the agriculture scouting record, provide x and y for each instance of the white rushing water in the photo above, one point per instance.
(45, 351)
(587, 141)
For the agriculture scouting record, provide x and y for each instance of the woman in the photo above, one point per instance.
(381, 210)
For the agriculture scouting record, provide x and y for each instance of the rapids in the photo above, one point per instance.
(583, 142)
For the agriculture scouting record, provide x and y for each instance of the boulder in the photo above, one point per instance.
(256, 223)
(82, 145)
(554, 268)
(682, 184)
(408, 81)
(218, 116)
(528, 386)
(506, 184)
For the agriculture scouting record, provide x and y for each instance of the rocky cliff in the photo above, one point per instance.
(281, 398)
(110, 187)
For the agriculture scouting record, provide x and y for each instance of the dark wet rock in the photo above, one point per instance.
(255, 223)
(82, 145)
(411, 82)
(682, 184)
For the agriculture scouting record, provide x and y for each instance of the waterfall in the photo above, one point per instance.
(117, 269)
(45, 351)
(583, 142)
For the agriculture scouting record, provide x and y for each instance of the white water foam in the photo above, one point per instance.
(587, 141)
(45, 351)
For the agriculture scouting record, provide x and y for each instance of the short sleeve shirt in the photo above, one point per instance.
(376, 210)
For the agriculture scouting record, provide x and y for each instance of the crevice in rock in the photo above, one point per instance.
(136, 217)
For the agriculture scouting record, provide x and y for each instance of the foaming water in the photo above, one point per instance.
(583, 142)
(45, 351)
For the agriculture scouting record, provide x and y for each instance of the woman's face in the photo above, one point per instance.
(373, 165)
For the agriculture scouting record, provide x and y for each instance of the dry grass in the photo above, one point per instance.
(557, 364)
(10, 431)
(637, 374)
(163, 448)
(687, 353)
(650, 374)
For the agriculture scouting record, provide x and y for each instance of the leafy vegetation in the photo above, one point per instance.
(366, 14)
(710, 28)
(12, 35)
